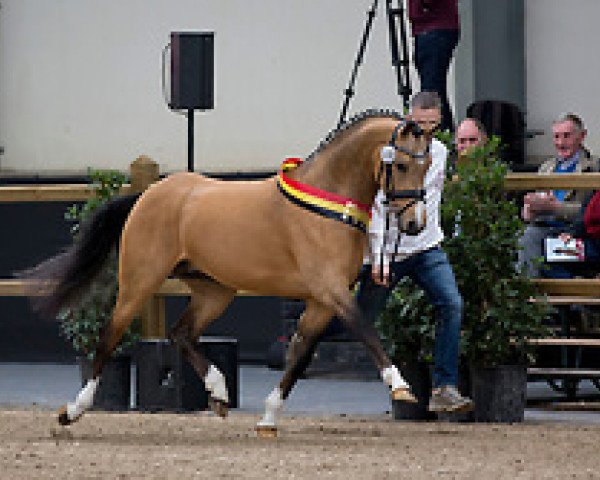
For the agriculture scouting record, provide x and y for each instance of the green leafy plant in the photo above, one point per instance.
(482, 227)
(82, 325)
(407, 324)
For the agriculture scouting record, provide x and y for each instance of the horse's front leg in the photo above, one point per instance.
(300, 351)
(348, 311)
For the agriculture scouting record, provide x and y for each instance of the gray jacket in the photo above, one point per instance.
(574, 198)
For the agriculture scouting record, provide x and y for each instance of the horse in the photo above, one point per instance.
(300, 234)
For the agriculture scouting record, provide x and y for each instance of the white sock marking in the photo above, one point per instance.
(273, 404)
(391, 376)
(84, 399)
(215, 384)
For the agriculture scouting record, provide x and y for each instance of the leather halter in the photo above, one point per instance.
(388, 157)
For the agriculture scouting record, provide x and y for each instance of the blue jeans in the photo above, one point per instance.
(433, 54)
(430, 270)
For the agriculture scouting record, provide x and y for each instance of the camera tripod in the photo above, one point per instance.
(401, 63)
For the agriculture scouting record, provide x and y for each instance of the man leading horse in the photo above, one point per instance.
(395, 255)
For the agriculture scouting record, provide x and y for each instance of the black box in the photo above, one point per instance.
(167, 382)
(192, 70)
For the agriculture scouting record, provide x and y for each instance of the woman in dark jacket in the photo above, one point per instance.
(587, 228)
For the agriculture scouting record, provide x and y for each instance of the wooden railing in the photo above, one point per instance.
(563, 293)
(143, 172)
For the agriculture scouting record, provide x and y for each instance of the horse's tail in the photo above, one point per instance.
(68, 275)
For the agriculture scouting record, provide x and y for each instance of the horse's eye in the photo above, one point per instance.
(401, 167)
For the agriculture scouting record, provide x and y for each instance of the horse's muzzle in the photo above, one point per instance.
(412, 228)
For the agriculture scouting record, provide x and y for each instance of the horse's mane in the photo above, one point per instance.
(359, 117)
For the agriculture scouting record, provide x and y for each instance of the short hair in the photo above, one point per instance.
(426, 100)
(480, 126)
(571, 117)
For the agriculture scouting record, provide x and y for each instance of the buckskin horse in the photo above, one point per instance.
(299, 234)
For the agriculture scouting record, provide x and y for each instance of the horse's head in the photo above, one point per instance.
(404, 163)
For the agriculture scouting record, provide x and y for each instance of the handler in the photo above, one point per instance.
(421, 258)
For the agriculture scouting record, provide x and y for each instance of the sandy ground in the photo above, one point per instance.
(135, 446)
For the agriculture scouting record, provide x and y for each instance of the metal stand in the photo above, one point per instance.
(190, 116)
(401, 63)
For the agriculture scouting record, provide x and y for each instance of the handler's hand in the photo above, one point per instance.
(536, 203)
(381, 276)
(565, 237)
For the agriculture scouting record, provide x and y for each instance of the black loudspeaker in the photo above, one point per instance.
(167, 382)
(192, 71)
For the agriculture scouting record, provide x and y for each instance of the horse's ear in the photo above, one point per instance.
(412, 127)
(418, 131)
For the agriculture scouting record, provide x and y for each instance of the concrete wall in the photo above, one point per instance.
(80, 81)
(563, 70)
(490, 59)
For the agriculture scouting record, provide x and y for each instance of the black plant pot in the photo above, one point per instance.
(418, 376)
(114, 390)
(499, 393)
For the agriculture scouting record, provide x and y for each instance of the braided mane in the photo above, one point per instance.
(359, 117)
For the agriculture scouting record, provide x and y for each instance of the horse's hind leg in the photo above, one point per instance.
(209, 300)
(312, 324)
(136, 285)
(126, 308)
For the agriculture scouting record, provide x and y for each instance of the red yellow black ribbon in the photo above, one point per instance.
(326, 204)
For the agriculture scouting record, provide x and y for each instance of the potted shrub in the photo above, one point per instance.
(482, 227)
(407, 328)
(82, 325)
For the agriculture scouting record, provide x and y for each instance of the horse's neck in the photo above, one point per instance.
(343, 173)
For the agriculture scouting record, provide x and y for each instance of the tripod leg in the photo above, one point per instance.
(349, 92)
(402, 65)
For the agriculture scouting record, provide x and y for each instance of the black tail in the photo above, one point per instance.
(69, 274)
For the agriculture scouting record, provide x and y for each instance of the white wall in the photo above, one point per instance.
(80, 80)
(563, 67)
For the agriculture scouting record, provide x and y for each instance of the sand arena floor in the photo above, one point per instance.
(165, 446)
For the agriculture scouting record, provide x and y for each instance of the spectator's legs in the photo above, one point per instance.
(532, 247)
(433, 54)
(433, 273)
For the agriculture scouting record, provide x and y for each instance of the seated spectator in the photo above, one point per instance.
(586, 227)
(549, 213)
(469, 133)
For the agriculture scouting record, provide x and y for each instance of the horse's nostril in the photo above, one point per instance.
(412, 228)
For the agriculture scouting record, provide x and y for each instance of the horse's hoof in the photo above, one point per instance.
(266, 431)
(404, 395)
(219, 407)
(63, 417)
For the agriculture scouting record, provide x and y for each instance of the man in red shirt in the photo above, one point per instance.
(436, 30)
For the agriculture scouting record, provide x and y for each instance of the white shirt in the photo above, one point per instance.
(431, 235)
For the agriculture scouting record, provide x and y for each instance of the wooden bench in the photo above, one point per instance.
(563, 293)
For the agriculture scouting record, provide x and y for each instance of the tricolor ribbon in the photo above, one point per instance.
(322, 202)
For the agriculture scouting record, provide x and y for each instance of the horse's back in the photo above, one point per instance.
(224, 228)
